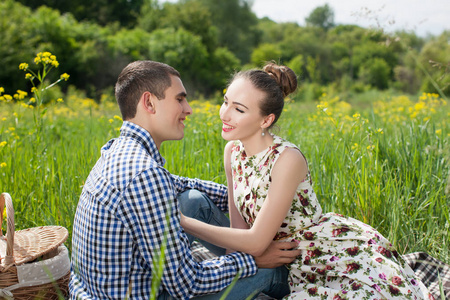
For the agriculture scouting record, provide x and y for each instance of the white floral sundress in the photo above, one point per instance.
(342, 258)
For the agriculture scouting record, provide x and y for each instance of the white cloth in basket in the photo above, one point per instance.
(42, 272)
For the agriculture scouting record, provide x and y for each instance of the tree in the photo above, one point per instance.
(265, 53)
(182, 50)
(102, 12)
(322, 16)
(236, 24)
(375, 72)
(434, 64)
(192, 16)
(17, 43)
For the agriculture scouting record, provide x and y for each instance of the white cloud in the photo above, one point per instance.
(422, 17)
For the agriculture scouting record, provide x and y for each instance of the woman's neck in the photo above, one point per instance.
(257, 144)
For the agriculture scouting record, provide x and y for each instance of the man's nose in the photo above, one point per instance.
(187, 108)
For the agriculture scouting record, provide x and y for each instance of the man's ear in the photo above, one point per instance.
(268, 120)
(147, 102)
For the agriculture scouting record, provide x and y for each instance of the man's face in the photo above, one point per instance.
(171, 113)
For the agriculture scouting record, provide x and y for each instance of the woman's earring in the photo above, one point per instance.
(262, 133)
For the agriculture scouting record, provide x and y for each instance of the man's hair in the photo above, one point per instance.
(139, 77)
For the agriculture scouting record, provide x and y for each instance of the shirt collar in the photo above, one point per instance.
(143, 137)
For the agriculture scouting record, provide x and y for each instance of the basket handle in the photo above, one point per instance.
(5, 199)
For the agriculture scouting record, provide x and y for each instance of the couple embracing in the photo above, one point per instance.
(276, 239)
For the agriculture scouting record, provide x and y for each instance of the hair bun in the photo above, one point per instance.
(284, 76)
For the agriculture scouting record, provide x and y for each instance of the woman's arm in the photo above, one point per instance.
(289, 170)
(236, 219)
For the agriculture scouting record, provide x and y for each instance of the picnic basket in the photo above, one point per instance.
(34, 263)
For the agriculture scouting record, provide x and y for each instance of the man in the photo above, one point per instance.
(120, 223)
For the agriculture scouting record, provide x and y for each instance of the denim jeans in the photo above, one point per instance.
(272, 282)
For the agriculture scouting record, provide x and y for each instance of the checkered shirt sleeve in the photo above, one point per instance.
(120, 224)
(218, 193)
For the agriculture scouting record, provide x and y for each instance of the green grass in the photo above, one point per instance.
(396, 181)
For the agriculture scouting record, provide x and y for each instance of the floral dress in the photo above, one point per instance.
(342, 258)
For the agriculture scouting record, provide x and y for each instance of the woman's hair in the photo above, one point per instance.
(139, 77)
(276, 82)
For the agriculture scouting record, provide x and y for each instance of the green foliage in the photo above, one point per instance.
(236, 24)
(297, 64)
(322, 17)
(265, 53)
(16, 43)
(226, 35)
(180, 49)
(102, 12)
(375, 72)
(435, 58)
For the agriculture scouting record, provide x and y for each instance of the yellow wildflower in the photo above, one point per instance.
(356, 116)
(33, 89)
(64, 76)
(23, 66)
(60, 100)
(2, 90)
(3, 165)
(15, 114)
(28, 76)
(3, 144)
(111, 120)
(3, 119)
(32, 100)
(439, 131)
(380, 131)
(118, 118)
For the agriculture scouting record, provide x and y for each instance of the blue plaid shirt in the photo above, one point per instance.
(120, 222)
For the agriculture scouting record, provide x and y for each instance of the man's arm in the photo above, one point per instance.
(216, 192)
(183, 277)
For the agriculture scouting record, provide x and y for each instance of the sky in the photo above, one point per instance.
(420, 16)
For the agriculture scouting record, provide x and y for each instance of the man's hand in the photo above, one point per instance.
(277, 254)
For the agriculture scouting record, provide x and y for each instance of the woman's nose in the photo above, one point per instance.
(223, 113)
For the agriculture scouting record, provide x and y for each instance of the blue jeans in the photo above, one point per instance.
(272, 282)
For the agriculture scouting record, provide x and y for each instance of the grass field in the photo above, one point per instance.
(385, 163)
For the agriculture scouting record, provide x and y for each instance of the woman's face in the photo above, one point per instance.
(240, 112)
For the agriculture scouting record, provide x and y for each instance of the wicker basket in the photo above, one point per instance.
(34, 262)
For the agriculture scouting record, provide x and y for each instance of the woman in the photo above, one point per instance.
(271, 198)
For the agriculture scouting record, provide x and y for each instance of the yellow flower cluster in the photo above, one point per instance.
(20, 95)
(64, 76)
(46, 58)
(205, 109)
(335, 112)
(401, 108)
(4, 97)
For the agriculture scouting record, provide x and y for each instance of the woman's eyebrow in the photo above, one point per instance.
(236, 103)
